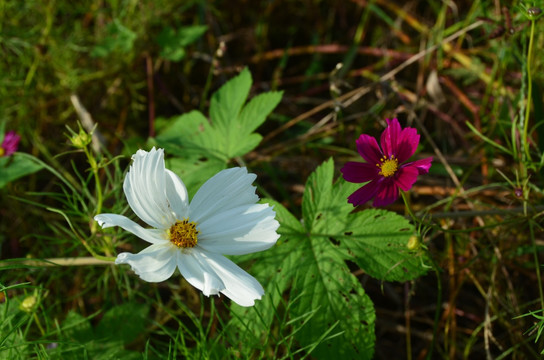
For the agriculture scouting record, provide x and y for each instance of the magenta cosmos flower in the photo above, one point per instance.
(384, 169)
(10, 143)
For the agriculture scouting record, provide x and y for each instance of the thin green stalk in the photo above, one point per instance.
(407, 206)
(438, 296)
(98, 186)
(529, 93)
(39, 324)
(528, 156)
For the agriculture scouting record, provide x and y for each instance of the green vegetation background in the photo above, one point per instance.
(134, 65)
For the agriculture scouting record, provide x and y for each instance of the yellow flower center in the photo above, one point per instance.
(183, 233)
(388, 167)
(2, 151)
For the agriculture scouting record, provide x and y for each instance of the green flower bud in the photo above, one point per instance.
(29, 304)
(81, 140)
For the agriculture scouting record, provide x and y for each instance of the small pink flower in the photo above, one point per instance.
(10, 143)
(384, 169)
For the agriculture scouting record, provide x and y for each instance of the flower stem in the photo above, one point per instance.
(438, 282)
(39, 324)
(529, 93)
(99, 197)
(407, 206)
(528, 156)
(67, 261)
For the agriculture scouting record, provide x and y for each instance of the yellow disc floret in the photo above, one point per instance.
(388, 167)
(183, 233)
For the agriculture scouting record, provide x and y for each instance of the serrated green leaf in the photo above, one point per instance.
(374, 239)
(377, 240)
(323, 277)
(242, 147)
(325, 284)
(229, 134)
(315, 268)
(192, 135)
(256, 111)
(227, 102)
(16, 166)
(324, 206)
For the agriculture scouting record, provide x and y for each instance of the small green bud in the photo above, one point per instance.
(413, 243)
(81, 140)
(28, 304)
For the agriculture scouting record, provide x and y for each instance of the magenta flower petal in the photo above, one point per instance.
(422, 165)
(356, 172)
(385, 167)
(406, 177)
(10, 143)
(362, 195)
(368, 149)
(407, 145)
(390, 138)
(387, 194)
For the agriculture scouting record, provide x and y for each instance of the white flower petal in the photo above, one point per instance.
(154, 264)
(212, 273)
(240, 287)
(227, 189)
(177, 196)
(144, 188)
(154, 236)
(195, 269)
(242, 230)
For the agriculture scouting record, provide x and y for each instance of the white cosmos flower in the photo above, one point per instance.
(222, 218)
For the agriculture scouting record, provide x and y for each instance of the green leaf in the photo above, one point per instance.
(16, 166)
(324, 205)
(322, 276)
(172, 42)
(309, 261)
(194, 170)
(192, 135)
(118, 39)
(324, 296)
(227, 102)
(230, 132)
(377, 241)
(326, 285)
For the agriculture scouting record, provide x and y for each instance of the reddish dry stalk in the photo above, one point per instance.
(328, 49)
